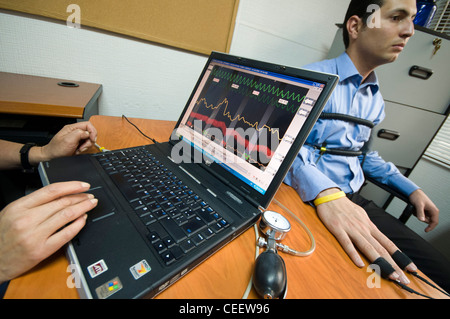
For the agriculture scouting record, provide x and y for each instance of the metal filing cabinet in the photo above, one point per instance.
(416, 106)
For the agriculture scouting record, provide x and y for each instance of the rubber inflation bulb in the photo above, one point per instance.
(269, 277)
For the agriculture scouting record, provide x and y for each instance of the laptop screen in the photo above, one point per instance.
(245, 119)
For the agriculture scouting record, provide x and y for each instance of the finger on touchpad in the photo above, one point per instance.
(105, 208)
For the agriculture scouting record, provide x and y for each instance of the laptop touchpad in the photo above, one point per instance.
(105, 208)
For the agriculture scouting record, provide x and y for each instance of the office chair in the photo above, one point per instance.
(409, 209)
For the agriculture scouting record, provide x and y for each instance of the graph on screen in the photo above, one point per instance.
(251, 112)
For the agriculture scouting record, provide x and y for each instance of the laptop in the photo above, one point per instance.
(166, 207)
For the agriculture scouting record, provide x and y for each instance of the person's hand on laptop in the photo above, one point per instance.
(72, 139)
(35, 226)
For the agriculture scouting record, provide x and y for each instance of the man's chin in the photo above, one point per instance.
(389, 59)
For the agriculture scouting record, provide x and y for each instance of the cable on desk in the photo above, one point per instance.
(410, 290)
(249, 286)
(402, 260)
(311, 237)
(146, 136)
(415, 274)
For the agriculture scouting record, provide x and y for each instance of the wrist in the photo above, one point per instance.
(25, 157)
(328, 191)
(36, 155)
(328, 195)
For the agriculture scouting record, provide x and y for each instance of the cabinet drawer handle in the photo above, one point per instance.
(388, 134)
(420, 72)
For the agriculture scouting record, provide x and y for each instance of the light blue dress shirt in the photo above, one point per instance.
(308, 175)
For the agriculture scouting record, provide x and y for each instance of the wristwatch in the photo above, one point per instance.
(27, 168)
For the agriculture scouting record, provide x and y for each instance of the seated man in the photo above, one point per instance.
(35, 226)
(317, 173)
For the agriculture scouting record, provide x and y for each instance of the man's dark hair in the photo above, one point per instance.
(358, 8)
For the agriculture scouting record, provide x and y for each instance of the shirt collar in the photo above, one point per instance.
(346, 69)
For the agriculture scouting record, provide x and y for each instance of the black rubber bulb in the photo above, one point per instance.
(269, 277)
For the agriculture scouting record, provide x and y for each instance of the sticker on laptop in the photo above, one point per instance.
(109, 288)
(140, 269)
(97, 268)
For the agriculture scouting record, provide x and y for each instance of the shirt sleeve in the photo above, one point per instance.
(387, 173)
(306, 178)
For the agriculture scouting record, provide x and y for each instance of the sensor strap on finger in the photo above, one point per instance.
(386, 268)
(401, 259)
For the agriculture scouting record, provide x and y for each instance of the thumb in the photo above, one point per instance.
(420, 212)
(84, 142)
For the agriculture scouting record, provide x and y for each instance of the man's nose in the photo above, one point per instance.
(408, 29)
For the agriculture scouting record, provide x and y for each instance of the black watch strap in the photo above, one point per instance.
(24, 151)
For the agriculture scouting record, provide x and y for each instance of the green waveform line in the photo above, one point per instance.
(266, 99)
(240, 79)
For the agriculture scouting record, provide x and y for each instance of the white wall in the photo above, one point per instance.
(290, 32)
(139, 79)
(143, 79)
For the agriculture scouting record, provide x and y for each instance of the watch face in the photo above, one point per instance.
(277, 221)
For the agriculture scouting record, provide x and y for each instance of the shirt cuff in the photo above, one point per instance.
(402, 184)
(308, 181)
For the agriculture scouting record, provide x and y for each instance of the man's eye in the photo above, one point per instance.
(398, 17)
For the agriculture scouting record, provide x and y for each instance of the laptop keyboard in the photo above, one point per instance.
(178, 220)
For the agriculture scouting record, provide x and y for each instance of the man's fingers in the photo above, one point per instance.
(392, 249)
(372, 244)
(379, 246)
(355, 232)
(349, 248)
(403, 261)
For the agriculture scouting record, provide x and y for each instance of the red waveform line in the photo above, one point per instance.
(241, 140)
(238, 117)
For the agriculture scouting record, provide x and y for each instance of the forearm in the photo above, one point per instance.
(10, 155)
(388, 174)
(10, 158)
(308, 181)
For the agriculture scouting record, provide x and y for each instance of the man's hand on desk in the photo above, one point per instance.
(353, 229)
(71, 140)
(35, 226)
(426, 210)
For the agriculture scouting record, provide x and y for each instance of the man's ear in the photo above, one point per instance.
(354, 26)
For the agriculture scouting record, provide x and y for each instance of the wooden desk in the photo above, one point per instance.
(35, 95)
(327, 273)
(37, 107)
